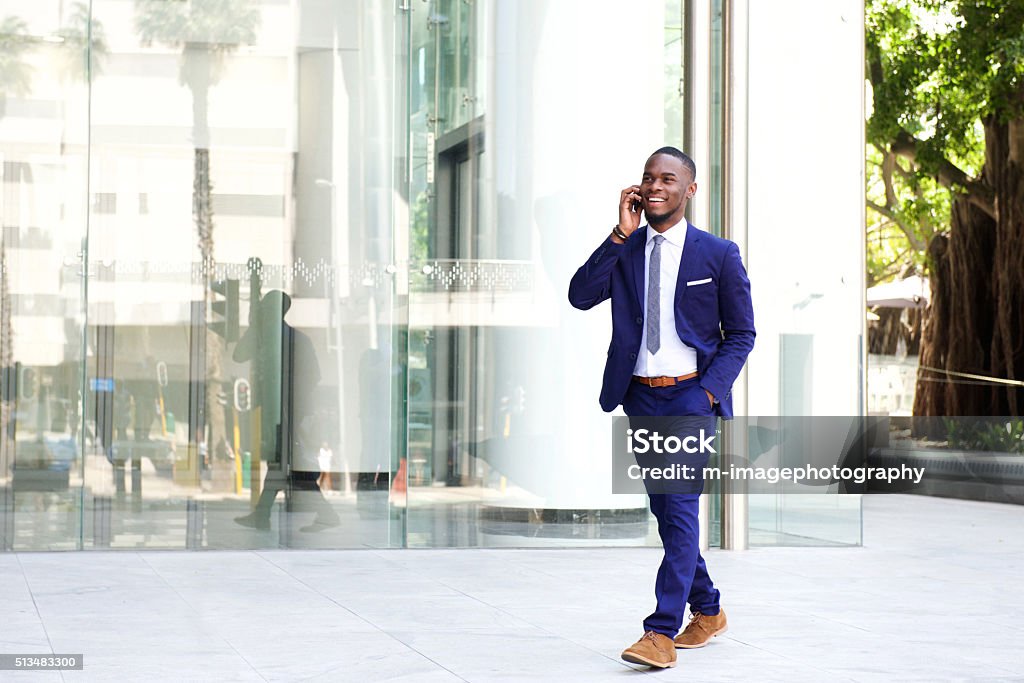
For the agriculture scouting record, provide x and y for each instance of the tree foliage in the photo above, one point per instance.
(15, 71)
(946, 179)
(85, 43)
(937, 69)
(925, 117)
(212, 27)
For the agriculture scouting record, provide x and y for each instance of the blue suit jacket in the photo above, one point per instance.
(716, 318)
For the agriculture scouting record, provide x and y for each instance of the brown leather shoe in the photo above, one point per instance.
(653, 649)
(701, 629)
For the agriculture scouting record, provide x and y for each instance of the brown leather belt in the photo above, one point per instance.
(663, 381)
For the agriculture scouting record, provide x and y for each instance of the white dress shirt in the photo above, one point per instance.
(674, 358)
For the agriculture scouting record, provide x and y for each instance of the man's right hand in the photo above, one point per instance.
(629, 217)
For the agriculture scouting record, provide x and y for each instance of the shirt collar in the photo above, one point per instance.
(676, 234)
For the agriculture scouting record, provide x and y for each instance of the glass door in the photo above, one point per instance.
(502, 451)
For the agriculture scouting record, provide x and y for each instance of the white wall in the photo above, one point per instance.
(804, 232)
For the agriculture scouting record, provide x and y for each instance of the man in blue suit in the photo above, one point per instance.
(682, 327)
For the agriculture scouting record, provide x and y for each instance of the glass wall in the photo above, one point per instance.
(220, 178)
(290, 273)
(803, 228)
(44, 207)
(514, 182)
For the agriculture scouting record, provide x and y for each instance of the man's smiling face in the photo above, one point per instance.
(665, 188)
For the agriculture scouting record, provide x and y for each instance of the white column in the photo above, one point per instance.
(578, 106)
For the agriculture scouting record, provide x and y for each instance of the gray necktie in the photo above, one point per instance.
(654, 297)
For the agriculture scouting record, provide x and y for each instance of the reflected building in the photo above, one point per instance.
(418, 180)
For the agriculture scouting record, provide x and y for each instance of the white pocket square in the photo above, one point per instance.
(691, 283)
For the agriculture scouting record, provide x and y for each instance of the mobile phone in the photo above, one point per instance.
(636, 205)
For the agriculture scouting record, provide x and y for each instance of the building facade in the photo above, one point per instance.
(319, 250)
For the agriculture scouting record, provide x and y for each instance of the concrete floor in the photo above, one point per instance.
(933, 595)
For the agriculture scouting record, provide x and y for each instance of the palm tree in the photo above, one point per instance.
(207, 32)
(16, 80)
(85, 43)
(15, 72)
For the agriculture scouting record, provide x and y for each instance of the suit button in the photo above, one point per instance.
(632, 356)
(639, 320)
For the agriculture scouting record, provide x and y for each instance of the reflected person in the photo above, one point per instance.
(285, 375)
(146, 397)
(682, 327)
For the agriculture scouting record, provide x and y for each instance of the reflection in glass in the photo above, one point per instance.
(44, 85)
(239, 249)
(293, 274)
(285, 376)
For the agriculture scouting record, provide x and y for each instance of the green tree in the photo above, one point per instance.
(946, 141)
(207, 32)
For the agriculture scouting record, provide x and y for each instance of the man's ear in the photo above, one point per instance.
(691, 190)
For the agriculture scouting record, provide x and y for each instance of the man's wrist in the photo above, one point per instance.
(617, 231)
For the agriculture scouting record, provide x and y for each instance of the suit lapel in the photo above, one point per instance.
(639, 262)
(690, 260)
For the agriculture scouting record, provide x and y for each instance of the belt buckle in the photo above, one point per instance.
(662, 382)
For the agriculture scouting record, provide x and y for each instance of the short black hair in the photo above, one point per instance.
(682, 156)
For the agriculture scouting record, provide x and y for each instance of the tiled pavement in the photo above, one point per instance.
(933, 595)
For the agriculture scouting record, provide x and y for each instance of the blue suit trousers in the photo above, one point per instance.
(682, 576)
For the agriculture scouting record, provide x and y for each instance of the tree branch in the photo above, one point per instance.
(889, 270)
(888, 164)
(949, 175)
(924, 221)
(915, 242)
(875, 72)
(879, 227)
